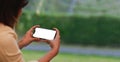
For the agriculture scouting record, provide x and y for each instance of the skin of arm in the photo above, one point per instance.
(54, 44)
(28, 38)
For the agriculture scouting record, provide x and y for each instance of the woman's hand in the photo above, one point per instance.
(28, 38)
(55, 45)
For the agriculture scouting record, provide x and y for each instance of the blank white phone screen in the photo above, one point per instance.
(44, 33)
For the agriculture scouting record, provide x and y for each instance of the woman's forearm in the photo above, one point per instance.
(55, 45)
(49, 56)
(28, 38)
(21, 44)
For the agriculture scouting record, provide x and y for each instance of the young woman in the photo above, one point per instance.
(10, 11)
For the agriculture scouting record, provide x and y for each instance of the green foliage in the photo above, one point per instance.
(92, 30)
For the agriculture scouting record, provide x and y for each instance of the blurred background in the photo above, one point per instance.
(90, 29)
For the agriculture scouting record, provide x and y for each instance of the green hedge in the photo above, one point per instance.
(92, 30)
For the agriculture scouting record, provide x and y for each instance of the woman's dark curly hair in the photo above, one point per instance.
(9, 11)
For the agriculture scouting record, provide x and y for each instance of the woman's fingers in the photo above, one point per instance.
(57, 33)
(36, 26)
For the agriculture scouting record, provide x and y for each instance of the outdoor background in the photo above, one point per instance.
(90, 29)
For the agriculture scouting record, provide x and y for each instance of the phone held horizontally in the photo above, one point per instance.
(44, 33)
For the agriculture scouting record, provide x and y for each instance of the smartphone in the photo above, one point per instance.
(44, 33)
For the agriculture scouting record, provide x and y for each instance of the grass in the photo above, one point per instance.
(66, 57)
